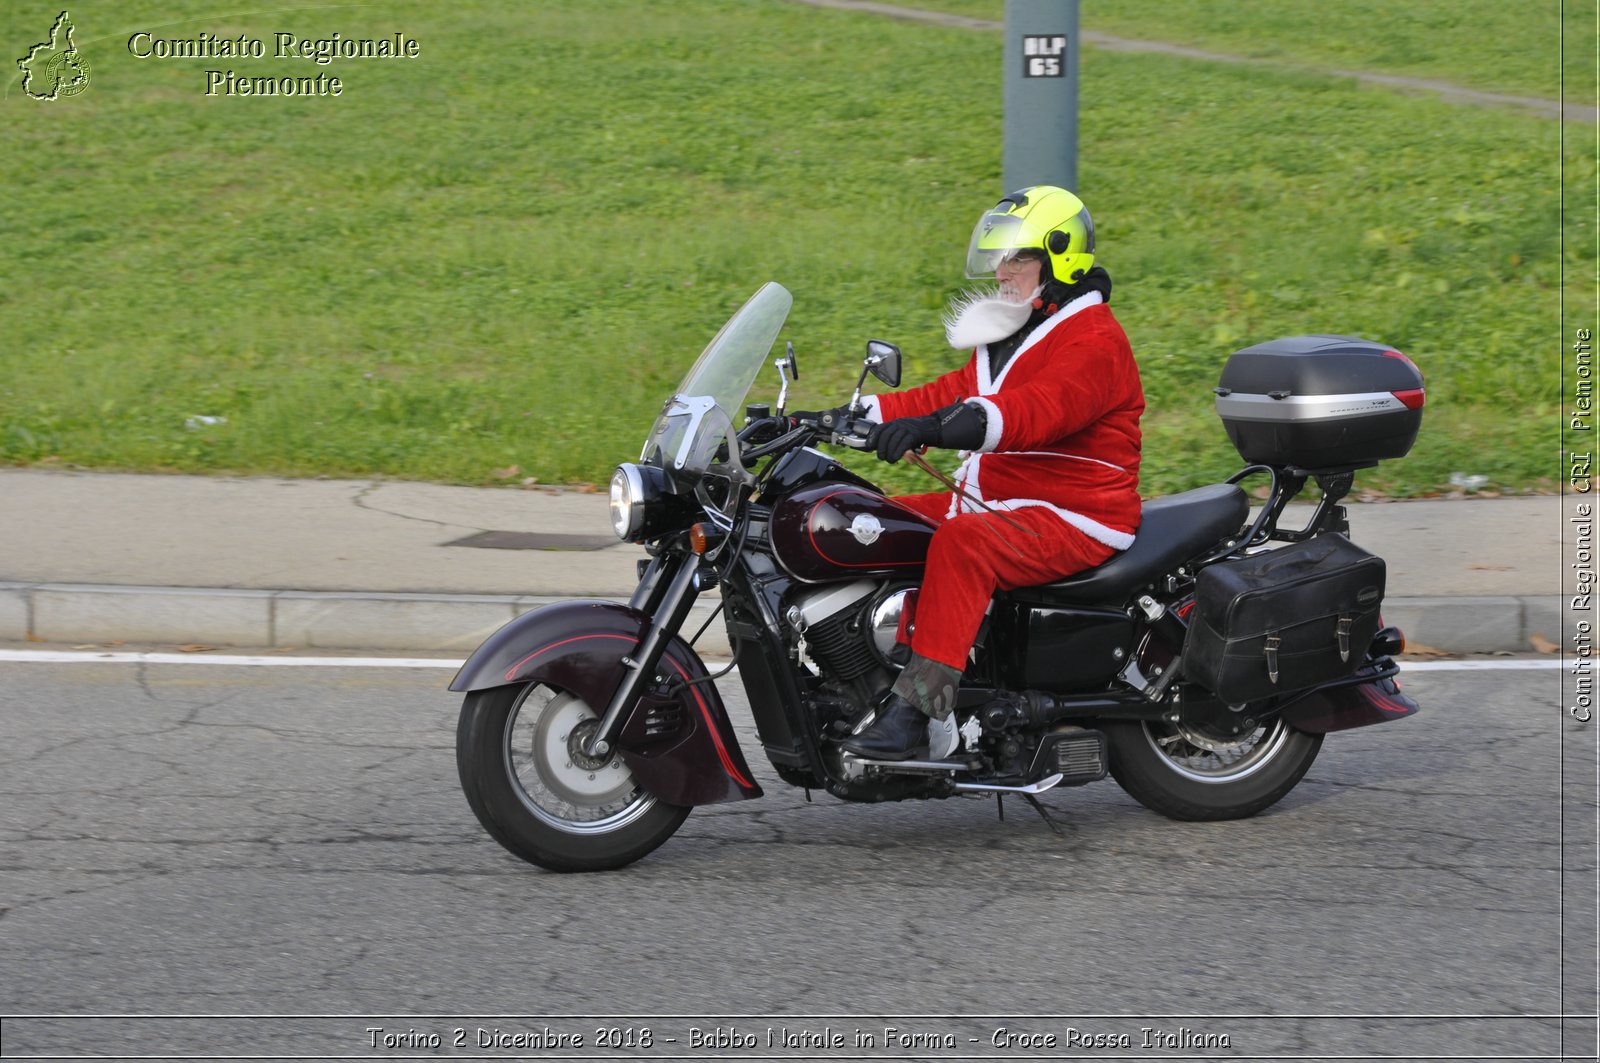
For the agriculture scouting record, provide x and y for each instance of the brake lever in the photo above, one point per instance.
(859, 431)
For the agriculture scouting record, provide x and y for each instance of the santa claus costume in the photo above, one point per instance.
(1060, 456)
(1049, 414)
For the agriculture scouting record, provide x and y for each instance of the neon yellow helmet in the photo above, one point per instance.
(1042, 218)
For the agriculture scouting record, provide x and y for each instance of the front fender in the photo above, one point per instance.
(681, 749)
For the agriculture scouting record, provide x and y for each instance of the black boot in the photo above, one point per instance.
(899, 732)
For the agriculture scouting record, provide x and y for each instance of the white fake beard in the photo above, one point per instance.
(985, 315)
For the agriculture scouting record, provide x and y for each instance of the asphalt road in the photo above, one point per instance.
(286, 843)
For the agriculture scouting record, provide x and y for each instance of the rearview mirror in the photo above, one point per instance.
(788, 369)
(884, 361)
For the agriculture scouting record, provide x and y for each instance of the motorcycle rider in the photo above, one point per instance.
(1048, 408)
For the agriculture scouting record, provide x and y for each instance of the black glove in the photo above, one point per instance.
(959, 426)
(893, 438)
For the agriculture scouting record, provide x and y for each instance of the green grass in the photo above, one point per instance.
(507, 256)
(1480, 44)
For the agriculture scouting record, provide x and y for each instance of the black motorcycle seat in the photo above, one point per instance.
(1171, 531)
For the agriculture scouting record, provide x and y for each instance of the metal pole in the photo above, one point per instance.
(1041, 94)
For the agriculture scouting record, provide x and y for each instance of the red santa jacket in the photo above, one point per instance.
(1063, 423)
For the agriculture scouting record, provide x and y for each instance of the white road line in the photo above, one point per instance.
(97, 657)
(1514, 664)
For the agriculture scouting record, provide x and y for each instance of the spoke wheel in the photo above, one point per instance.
(556, 781)
(519, 750)
(1206, 759)
(1188, 773)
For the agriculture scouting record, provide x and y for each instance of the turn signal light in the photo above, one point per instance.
(1389, 642)
(703, 537)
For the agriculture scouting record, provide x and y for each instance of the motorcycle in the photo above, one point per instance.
(1200, 668)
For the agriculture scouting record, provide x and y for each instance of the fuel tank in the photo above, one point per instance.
(837, 530)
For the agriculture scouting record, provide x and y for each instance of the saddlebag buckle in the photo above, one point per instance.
(1273, 642)
(1344, 637)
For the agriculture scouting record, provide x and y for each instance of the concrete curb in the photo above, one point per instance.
(457, 623)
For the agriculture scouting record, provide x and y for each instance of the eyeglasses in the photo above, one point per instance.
(1019, 260)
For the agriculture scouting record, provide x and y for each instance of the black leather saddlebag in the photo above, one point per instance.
(1283, 620)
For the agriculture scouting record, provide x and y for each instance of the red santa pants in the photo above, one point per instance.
(969, 559)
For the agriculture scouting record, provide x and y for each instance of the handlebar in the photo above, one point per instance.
(783, 442)
(759, 425)
(854, 434)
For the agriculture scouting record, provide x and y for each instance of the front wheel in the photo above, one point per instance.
(1186, 773)
(519, 752)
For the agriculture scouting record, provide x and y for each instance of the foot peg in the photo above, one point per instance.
(1029, 789)
(918, 767)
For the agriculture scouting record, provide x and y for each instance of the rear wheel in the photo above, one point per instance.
(1188, 773)
(519, 750)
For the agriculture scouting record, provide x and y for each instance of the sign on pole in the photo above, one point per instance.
(1041, 94)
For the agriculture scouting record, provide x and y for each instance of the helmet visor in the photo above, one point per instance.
(995, 239)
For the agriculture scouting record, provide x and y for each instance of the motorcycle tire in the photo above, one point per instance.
(1190, 775)
(518, 751)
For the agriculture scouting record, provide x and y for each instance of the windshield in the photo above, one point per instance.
(699, 416)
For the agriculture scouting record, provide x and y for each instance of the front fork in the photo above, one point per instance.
(667, 591)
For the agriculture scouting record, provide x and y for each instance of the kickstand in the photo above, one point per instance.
(1000, 806)
(1037, 807)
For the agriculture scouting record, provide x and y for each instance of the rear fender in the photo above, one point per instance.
(1346, 704)
(1352, 705)
(681, 749)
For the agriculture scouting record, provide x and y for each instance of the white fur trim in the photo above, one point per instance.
(989, 387)
(1058, 454)
(1100, 533)
(874, 410)
(965, 478)
(961, 502)
(995, 426)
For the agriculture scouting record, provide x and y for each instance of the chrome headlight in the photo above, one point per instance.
(627, 502)
(645, 504)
